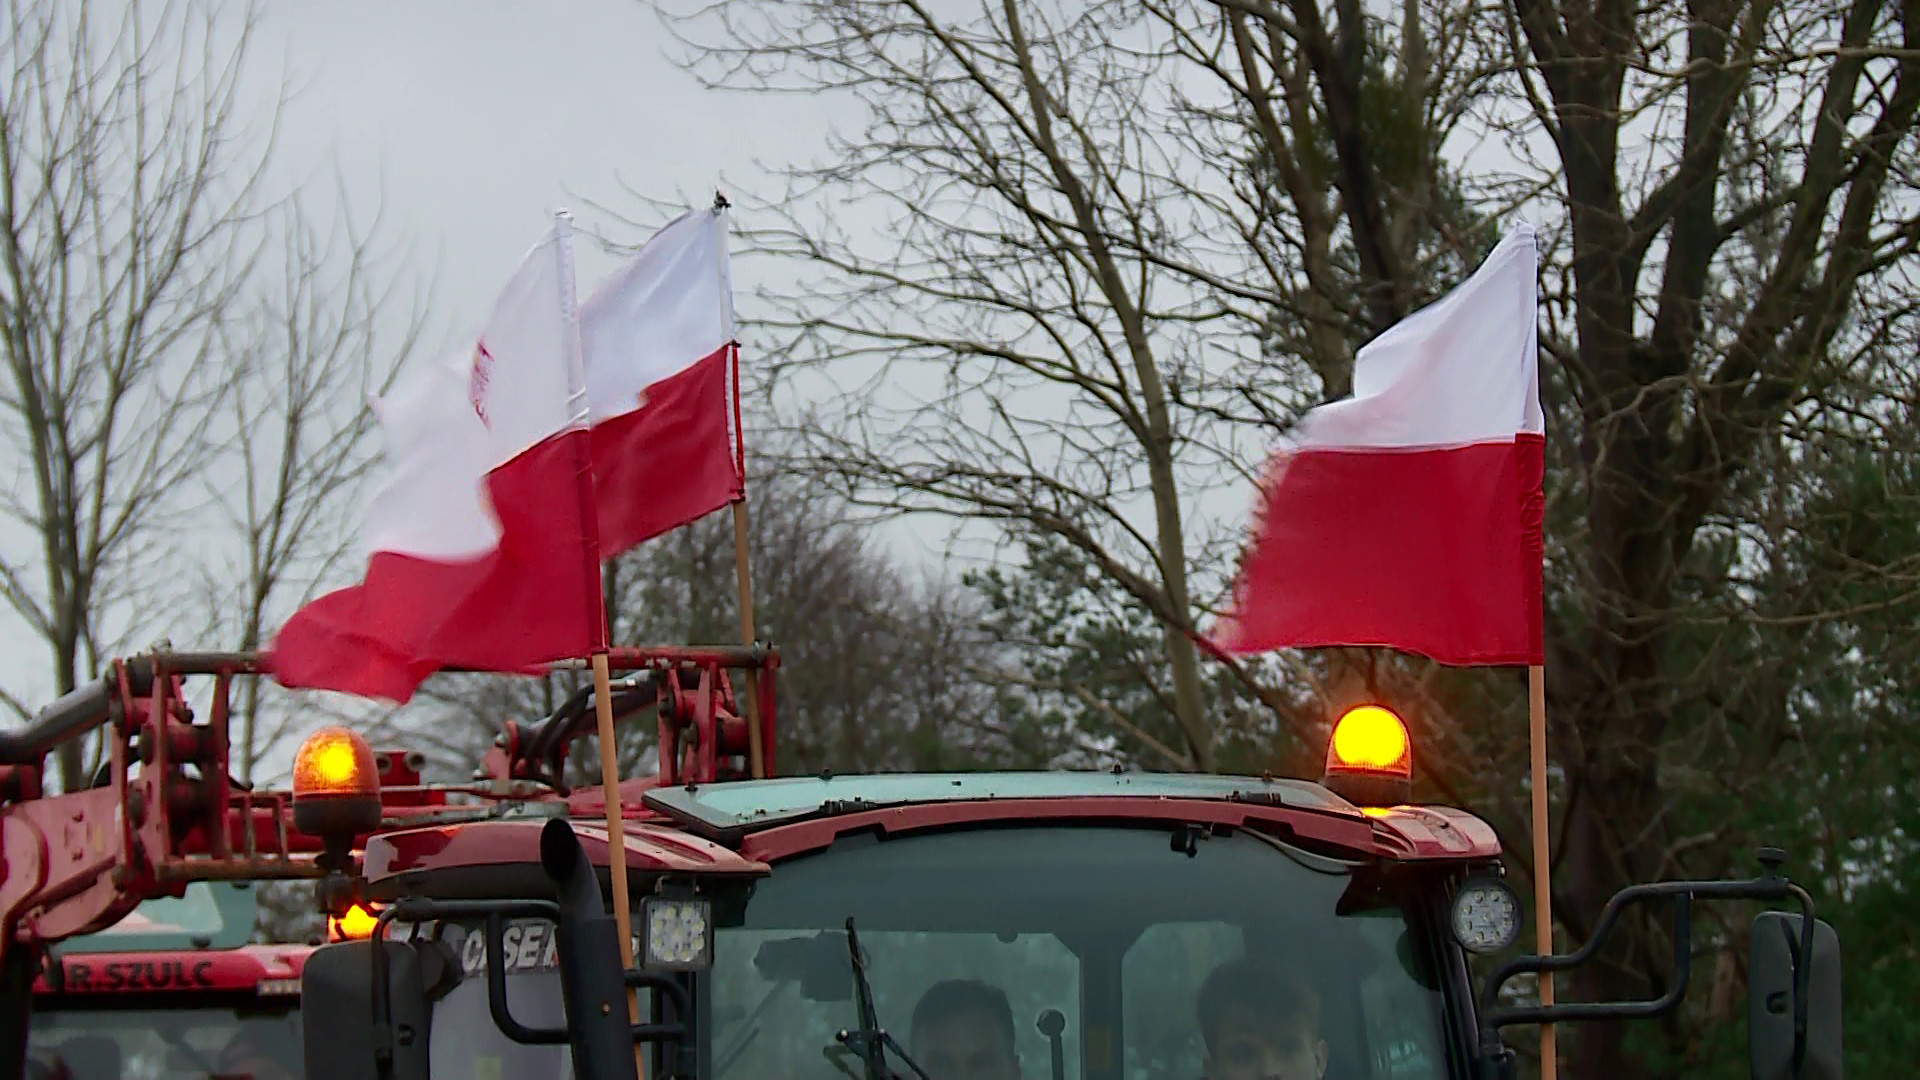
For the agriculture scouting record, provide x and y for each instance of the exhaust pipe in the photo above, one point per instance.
(593, 987)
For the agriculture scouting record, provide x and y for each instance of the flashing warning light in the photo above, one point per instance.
(336, 790)
(335, 761)
(356, 925)
(1370, 737)
(1370, 758)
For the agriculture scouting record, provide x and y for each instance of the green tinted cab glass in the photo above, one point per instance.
(1108, 932)
(207, 915)
(737, 805)
(102, 1038)
(1104, 934)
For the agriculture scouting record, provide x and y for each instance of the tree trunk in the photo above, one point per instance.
(70, 754)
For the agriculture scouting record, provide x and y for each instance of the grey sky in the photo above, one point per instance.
(471, 121)
(467, 122)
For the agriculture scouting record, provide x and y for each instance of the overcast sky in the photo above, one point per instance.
(470, 121)
(466, 123)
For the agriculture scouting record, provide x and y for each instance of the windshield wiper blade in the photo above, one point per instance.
(870, 1040)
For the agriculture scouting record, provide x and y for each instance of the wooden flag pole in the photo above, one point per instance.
(1542, 866)
(743, 577)
(756, 753)
(616, 836)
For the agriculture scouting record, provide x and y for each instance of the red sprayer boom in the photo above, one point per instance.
(166, 812)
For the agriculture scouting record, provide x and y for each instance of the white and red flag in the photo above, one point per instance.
(1409, 515)
(662, 383)
(484, 553)
(564, 434)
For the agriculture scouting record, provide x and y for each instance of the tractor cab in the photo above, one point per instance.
(1085, 911)
(985, 926)
(980, 926)
(173, 989)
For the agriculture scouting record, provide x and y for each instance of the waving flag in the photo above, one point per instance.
(1409, 515)
(484, 550)
(661, 377)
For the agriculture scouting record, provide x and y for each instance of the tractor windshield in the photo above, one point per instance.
(1050, 952)
(209, 1038)
(1227, 957)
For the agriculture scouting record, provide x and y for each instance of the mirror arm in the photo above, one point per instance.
(687, 1054)
(382, 999)
(1770, 886)
(1502, 1016)
(1802, 977)
(497, 988)
(419, 910)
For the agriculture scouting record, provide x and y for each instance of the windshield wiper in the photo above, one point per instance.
(870, 1040)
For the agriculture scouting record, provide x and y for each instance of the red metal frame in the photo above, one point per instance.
(649, 847)
(702, 735)
(76, 863)
(1408, 834)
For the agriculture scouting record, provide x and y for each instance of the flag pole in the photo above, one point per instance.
(756, 753)
(602, 677)
(1542, 867)
(616, 836)
(742, 573)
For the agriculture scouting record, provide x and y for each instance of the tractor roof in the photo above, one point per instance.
(741, 827)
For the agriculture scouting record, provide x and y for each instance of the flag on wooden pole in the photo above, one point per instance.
(662, 383)
(484, 551)
(1409, 515)
(561, 434)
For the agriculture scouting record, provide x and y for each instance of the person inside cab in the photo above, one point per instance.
(1258, 1024)
(254, 1055)
(88, 1057)
(963, 1030)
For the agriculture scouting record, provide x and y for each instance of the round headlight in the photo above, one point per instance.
(1486, 915)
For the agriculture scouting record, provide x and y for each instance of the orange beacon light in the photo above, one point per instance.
(336, 789)
(1370, 758)
(355, 925)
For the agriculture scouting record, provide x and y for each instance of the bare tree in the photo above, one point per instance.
(1231, 195)
(1736, 194)
(871, 660)
(1728, 190)
(1046, 334)
(128, 197)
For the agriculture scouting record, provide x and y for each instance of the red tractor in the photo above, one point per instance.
(173, 989)
(124, 932)
(178, 986)
(978, 926)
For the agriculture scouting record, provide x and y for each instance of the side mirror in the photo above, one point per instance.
(336, 1004)
(818, 963)
(1774, 964)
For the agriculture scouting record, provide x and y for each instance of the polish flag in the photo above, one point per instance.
(662, 384)
(1409, 515)
(483, 542)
